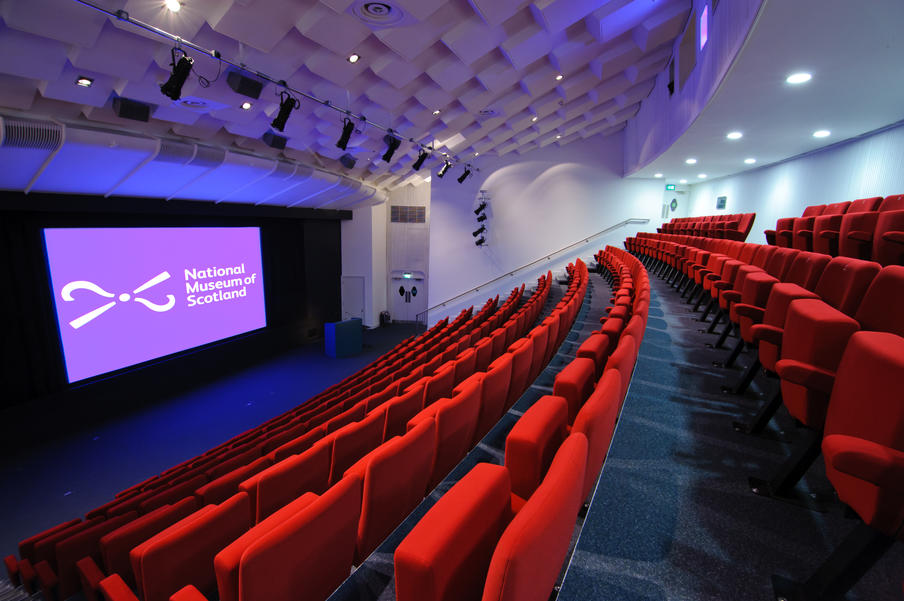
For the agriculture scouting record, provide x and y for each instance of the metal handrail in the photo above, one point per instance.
(547, 257)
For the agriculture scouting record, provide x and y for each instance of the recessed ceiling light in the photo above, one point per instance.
(84, 82)
(821, 133)
(559, 77)
(558, 137)
(354, 58)
(750, 161)
(657, 175)
(797, 78)
(734, 135)
(173, 5)
(690, 161)
(436, 112)
(427, 179)
(534, 118)
(701, 175)
(246, 105)
(476, 154)
(682, 181)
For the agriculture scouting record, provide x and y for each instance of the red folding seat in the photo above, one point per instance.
(532, 443)
(297, 445)
(356, 440)
(115, 546)
(495, 392)
(384, 394)
(783, 235)
(597, 348)
(596, 420)
(465, 365)
(500, 335)
(440, 384)
(394, 477)
(575, 383)
(826, 227)
(401, 409)
(802, 230)
(539, 335)
(552, 335)
(275, 486)
(529, 555)
(183, 553)
(622, 359)
(456, 421)
(446, 555)
(484, 353)
(888, 241)
(522, 353)
(863, 448)
(218, 490)
(856, 236)
(308, 545)
(346, 416)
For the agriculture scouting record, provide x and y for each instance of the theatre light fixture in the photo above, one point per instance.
(392, 144)
(444, 168)
(421, 157)
(480, 208)
(480, 241)
(348, 127)
(479, 231)
(287, 104)
(482, 217)
(181, 69)
(464, 176)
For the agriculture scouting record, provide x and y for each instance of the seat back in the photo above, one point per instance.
(533, 441)
(401, 409)
(539, 335)
(446, 555)
(878, 311)
(864, 430)
(529, 555)
(456, 420)
(394, 476)
(844, 281)
(522, 354)
(83, 544)
(183, 553)
(312, 551)
(888, 241)
(622, 359)
(805, 269)
(356, 440)
(596, 421)
(298, 445)
(575, 383)
(494, 395)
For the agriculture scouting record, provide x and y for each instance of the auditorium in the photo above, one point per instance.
(452, 300)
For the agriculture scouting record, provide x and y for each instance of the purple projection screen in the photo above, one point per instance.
(128, 295)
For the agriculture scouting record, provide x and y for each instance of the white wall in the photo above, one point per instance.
(869, 166)
(364, 255)
(539, 202)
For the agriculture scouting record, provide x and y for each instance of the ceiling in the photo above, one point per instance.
(488, 66)
(853, 50)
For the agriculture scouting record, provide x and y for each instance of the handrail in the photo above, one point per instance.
(633, 220)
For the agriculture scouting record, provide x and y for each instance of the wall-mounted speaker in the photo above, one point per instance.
(131, 109)
(348, 161)
(243, 85)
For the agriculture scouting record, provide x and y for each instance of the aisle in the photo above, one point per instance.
(673, 518)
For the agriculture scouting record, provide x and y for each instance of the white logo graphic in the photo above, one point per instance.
(78, 322)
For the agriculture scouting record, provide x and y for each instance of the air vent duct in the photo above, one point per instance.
(29, 133)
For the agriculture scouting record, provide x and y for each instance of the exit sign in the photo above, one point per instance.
(670, 186)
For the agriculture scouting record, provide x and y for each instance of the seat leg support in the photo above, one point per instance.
(789, 474)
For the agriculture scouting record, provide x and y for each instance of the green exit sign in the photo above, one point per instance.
(670, 186)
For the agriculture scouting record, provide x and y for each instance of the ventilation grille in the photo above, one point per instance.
(407, 214)
(25, 133)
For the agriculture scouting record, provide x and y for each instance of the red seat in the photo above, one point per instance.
(597, 347)
(532, 443)
(395, 477)
(495, 393)
(857, 233)
(440, 384)
(401, 409)
(575, 383)
(888, 242)
(596, 421)
(529, 555)
(225, 486)
(827, 227)
(802, 235)
(623, 361)
(298, 445)
(522, 354)
(539, 336)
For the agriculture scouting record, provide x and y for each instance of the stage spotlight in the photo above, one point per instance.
(480, 207)
(464, 176)
(480, 241)
(181, 69)
(479, 231)
(420, 160)
(482, 217)
(348, 161)
(348, 127)
(287, 104)
(445, 167)
(392, 144)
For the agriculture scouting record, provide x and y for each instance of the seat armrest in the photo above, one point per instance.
(865, 459)
(765, 333)
(114, 588)
(897, 237)
(12, 569)
(860, 236)
(804, 374)
(829, 234)
(90, 576)
(47, 580)
(805, 233)
(713, 277)
(722, 285)
(750, 311)
(188, 593)
(731, 296)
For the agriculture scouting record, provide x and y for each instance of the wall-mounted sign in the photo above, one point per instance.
(674, 204)
(720, 202)
(670, 186)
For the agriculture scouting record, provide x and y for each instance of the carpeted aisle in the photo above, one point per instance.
(673, 517)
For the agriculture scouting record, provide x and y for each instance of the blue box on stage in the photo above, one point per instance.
(343, 338)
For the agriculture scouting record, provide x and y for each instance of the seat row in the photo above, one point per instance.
(503, 532)
(732, 227)
(50, 557)
(321, 459)
(866, 228)
(832, 331)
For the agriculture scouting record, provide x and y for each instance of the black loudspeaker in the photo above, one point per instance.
(244, 85)
(274, 140)
(131, 109)
(348, 161)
